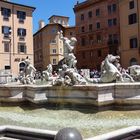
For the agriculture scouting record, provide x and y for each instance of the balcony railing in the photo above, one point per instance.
(113, 42)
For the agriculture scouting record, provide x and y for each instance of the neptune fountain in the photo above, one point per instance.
(69, 86)
(116, 86)
(111, 70)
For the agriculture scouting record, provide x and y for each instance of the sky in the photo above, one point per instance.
(47, 8)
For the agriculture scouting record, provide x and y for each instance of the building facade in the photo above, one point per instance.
(16, 38)
(97, 31)
(130, 32)
(48, 47)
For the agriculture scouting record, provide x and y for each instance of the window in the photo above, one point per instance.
(83, 41)
(132, 18)
(109, 22)
(83, 55)
(71, 33)
(99, 39)
(131, 4)
(82, 16)
(109, 9)
(99, 53)
(91, 42)
(83, 29)
(90, 27)
(53, 41)
(112, 22)
(90, 14)
(7, 67)
(21, 16)
(6, 31)
(97, 12)
(6, 47)
(54, 30)
(6, 13)
(22, 66)
(98, 25)
(91, 54)
(113, 39)
(133, 43)
(112, 8)
(54, 50)
(115, 36)
(21, 32)
(133, 61)
(54, 61)
(21, 48)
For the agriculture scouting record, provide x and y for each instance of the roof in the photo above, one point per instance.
(85, 4)
(68, 27)
(58, 16)
(18, 4)
(47, 26)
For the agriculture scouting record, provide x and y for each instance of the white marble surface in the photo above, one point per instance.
(97, 94)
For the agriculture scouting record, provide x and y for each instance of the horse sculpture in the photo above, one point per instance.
(109, 72)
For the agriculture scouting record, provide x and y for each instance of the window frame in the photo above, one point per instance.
(6, 46)
(6, 13)
(21, 32)
(6, 31)
(90, 14)
(132, 19)
(20, 49)
(131, 4)
(21, 15)
(133, 41)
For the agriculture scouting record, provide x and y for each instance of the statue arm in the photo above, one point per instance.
(33, 67)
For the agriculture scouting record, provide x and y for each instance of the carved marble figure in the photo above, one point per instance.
(135, 72)
(47, 74)
(28, 74)
(68, 46)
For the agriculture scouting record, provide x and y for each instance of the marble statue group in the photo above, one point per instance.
(26, 76)
(68, 75)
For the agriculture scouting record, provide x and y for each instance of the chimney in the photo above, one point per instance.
(41, 24)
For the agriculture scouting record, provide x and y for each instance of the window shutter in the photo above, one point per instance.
(24, 15)
(24, 32)
(9, 30)
(2, 29)
(25, 49)
(18, 14)
(2, 9)
(18, 32)
(18, 48)
(9, 12)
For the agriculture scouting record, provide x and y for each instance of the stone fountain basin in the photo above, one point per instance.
(8, 132)
(95, 94)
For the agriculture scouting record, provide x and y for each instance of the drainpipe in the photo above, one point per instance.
(13, 30)
(138, 26)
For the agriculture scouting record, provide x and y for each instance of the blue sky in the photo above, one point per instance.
(47, 8)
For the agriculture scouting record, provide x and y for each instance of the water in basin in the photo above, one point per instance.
(87, 121)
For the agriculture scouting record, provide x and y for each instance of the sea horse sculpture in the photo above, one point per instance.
(110, 72)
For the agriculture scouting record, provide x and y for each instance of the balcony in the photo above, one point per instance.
(22, 38)
(6, 36)
(113, 42)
